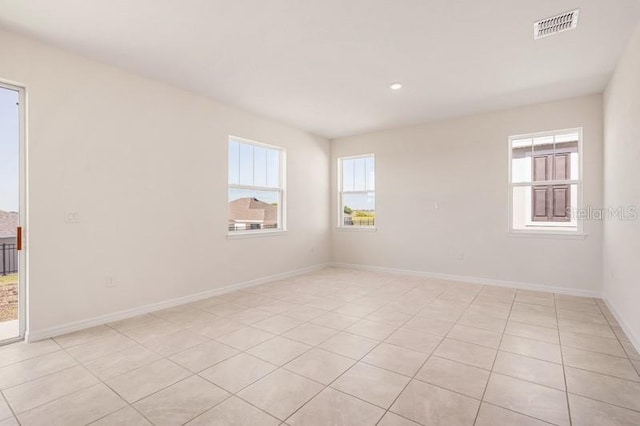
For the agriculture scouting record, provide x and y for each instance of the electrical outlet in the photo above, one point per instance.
(110, 282)
(460, 256)
(72, 217)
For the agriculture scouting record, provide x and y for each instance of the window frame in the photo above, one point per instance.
(340, 224)
(281, 189)
(556, 230)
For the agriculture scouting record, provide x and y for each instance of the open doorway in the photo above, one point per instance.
(11, 258)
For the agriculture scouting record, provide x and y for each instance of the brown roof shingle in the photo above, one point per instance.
(252, 210)
(8, 224)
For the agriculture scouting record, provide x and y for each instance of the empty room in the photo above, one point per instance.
(320, 213)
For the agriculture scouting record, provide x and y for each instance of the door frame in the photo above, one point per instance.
(23, 269)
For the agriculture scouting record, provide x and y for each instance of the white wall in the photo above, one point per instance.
(462, 164)
(622, 188)
(145, 165)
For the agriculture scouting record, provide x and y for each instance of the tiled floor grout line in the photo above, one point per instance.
(355, 363)
(493, 364)
(192, 374)
(131, 404)
(183, 327)
(105, 384)
(6, 401)
(564, 372)
(617, 337)
(166, 357)
(343, 330)
(417, 370)
(82, 365)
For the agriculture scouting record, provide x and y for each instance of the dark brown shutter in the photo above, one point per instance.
(541, 169)
(561, 194)
(551, 203)
(561, 203)
(561, 167)
(540, 203)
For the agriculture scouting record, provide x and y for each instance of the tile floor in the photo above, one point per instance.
(336, 347)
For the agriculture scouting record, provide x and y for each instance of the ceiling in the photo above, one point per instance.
(325, 65)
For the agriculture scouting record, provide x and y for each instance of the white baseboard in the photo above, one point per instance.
(35, 335)
(473, 280)
(635, 340)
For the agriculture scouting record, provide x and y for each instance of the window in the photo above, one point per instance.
(357, 192)
(256, 186)
(545, 181)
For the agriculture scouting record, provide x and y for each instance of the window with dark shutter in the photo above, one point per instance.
(545, 181)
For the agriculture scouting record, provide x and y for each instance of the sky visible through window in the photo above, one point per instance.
(253, 165)
(8, 150)
(358, 174)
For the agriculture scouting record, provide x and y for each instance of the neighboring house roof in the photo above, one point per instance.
(252, 210)
(8, 224)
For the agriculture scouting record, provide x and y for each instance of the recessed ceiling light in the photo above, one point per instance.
(395, 86)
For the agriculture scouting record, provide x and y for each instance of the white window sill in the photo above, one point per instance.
(238, 235)
(568, 235)
(357, 228)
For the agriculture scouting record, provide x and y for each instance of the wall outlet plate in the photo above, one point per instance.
(72, 217)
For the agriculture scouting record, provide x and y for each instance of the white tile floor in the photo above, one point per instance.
(336, 347)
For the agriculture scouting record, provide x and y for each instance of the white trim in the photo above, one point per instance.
(255, 188)
(353, 157)
(579, 228)
(252, 142)
(23, 265)
(35, 335)
(356, 228)
(282, 177)
(472, 280)
(635, 340)
(340, 192)
(547, 183)
(238, 235)
(560, 235)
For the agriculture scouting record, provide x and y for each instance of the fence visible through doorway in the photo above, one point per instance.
(8, 259)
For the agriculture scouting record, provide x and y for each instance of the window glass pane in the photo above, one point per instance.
(567, 137)
(521, 206)
(543, 149)
(566, 147)
(359, 209)
(545, 207)
(536, 161)
(371, 175)
(521, 169)
(253, 210)
(542, 165)
(260, 166)
(360, 174)
(273, 168)
(348, 169)
(575, 166)
(246, 164)
(522, 143)
(543, 140)
(521, 160)
(234, 162)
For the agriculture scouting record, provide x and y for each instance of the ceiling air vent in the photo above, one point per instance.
(555, 24)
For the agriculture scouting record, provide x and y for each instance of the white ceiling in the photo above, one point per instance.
(325, 65)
